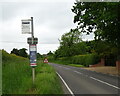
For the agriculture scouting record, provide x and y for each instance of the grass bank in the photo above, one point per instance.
(17, 77)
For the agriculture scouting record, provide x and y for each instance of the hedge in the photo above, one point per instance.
(86, 60)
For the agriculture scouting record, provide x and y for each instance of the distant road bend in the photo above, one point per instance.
(81, 81)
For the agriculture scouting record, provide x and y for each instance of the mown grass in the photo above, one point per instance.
(17, 77)
(76, 65)
(65, 63)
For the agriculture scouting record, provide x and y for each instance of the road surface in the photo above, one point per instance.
(82, 81)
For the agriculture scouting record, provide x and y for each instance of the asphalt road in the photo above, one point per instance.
(82, 81)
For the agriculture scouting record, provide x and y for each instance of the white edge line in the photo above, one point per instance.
(105, 83)
(65, 84)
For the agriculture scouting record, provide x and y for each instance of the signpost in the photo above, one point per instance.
(27, 28)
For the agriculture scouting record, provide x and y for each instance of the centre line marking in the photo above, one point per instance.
(105, 83)
(65, 84)
(77, 72)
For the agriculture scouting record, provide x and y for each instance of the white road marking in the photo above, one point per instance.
(78, 72)
(65, 84)
(105, 83)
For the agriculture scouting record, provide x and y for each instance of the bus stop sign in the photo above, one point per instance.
(33, 53)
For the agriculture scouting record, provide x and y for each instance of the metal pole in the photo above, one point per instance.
(32, 33)
(32, 27)
(33, 75)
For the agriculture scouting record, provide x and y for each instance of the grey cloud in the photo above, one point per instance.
(51, 20)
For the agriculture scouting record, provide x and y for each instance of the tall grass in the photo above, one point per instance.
(17, 77)
(47, 81)
(15, 71)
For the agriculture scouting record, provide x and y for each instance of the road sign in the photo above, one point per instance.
(33, 53)
(46, 61)
(26, 26)
(29, 40)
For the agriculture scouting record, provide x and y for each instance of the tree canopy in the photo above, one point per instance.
(104, 17)
(68, 39)
(21, 52)
(68, 44)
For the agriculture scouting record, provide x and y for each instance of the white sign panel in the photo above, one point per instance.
(33, 48)
(26, 26)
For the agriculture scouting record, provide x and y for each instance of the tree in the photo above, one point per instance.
(15, 51)
(101, 16)
(49, 53)
(70, 38)
(23, 53)
(80, 48)
(68, 43)
(39, 55)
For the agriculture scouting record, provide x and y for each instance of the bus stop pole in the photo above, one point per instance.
(33, 69)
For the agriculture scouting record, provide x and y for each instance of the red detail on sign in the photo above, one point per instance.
(33, 64)
(45, 61)
(32, 45)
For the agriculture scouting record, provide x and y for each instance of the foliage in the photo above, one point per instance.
(86, 60)
(82, 60)
(70, 38)
(39, 56)
(104, 17)
(68, 44)
(21, 52)
(49, 53)
(15, 51)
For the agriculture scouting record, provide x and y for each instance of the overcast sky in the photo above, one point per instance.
(52, 18)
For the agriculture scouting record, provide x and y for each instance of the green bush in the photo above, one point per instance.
(85, 60)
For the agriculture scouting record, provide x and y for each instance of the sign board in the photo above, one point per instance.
(33, 58)
(45, 61)
(33, 48)
(35, 40)
(33, 53)
(26, 26)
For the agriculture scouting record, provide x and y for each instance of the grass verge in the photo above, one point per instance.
(17, 77)
(65, 63)
(47, 81)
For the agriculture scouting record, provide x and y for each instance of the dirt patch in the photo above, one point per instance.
(106, 70)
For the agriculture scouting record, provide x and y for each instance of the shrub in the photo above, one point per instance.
(86, 60)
